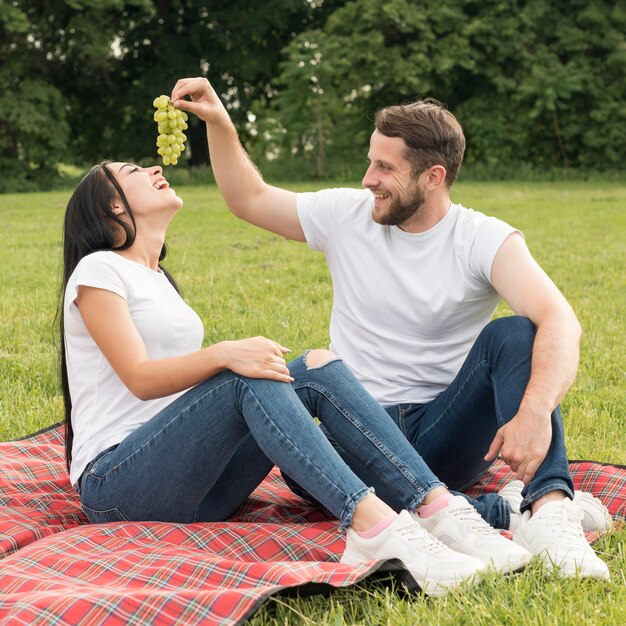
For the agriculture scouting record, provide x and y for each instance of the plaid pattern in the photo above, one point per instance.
(55, 568)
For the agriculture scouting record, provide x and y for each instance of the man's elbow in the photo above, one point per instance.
(569, 320)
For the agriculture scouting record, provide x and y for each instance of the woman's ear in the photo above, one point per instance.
(117, 209)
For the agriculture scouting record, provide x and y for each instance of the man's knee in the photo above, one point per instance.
(318, 358)
(516, 332)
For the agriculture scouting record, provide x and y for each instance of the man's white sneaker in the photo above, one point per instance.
(432, 566)
(596, 516)
(555, 534)
(512, 493)
(461, 528)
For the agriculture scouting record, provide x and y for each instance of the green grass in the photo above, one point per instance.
(244, 282)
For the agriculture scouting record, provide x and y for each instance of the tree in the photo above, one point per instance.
(235, 43)
(47, 51)
(78, 77)
(531, 81)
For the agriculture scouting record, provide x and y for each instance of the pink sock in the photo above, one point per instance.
(377, 528)
(428, 510)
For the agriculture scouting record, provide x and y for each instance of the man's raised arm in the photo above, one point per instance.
(247, 195)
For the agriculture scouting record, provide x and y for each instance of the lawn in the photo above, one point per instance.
(244, 282)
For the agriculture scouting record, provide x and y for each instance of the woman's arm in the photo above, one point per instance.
(109, 322)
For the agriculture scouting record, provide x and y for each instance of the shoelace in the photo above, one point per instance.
(565, 522)
(414, 532)
(476, 522)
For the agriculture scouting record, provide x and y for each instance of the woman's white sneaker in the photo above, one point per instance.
(432, 566)
(555, 534)
(460, 527)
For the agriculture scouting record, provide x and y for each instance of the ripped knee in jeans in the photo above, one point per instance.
(315, 359)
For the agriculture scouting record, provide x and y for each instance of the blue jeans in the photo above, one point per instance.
(453, 432)
(201, 457)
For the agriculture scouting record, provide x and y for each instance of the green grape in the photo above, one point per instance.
(171, 123)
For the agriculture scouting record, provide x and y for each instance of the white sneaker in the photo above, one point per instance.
(431, 566)
(555, 533)
(596, 516)
(461, 528)
(512, 493)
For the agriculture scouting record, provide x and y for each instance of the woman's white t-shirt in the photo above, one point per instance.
(104, 411)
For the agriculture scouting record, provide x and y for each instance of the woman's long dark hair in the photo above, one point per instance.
(91, 225)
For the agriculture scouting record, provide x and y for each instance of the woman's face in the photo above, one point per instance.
(146, 189)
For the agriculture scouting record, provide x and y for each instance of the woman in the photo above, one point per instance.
(160, 429)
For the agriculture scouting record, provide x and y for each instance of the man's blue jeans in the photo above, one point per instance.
(200, 457)
(453, 432)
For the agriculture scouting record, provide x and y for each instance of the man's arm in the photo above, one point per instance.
(247, 195)
(528, 290)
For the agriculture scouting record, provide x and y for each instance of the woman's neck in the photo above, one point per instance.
(145, 250)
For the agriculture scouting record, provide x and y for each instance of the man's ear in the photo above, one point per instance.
(435, 176)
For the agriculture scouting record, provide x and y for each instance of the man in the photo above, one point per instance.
(416, 279)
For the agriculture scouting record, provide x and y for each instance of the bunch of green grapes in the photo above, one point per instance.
(171, 123)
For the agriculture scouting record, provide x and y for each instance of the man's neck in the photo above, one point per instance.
(428, 215)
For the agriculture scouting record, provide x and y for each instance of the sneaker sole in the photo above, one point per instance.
(412, 584)
(561, 569)
(507, 569)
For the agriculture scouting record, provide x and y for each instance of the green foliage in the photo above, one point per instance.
(49, 52)
(78, 77)
(532, 82)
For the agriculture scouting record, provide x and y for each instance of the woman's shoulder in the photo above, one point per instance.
(100, 258)
(103, 263)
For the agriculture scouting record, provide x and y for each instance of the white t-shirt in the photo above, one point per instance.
(104, 411)
(407, 306)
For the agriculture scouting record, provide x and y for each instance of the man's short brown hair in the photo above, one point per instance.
(433, 135)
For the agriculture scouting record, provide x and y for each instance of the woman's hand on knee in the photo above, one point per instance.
(257, 357)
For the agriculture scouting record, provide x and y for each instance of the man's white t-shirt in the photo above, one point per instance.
(407, 306)
(104, 411)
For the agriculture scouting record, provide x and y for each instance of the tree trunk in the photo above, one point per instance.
(559, 138)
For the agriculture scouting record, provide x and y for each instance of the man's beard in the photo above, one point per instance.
(400, 210)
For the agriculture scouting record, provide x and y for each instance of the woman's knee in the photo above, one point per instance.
(319, 357)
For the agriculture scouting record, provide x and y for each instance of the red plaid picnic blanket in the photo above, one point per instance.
(56, 568)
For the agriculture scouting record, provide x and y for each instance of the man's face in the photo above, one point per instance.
(390, 177)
